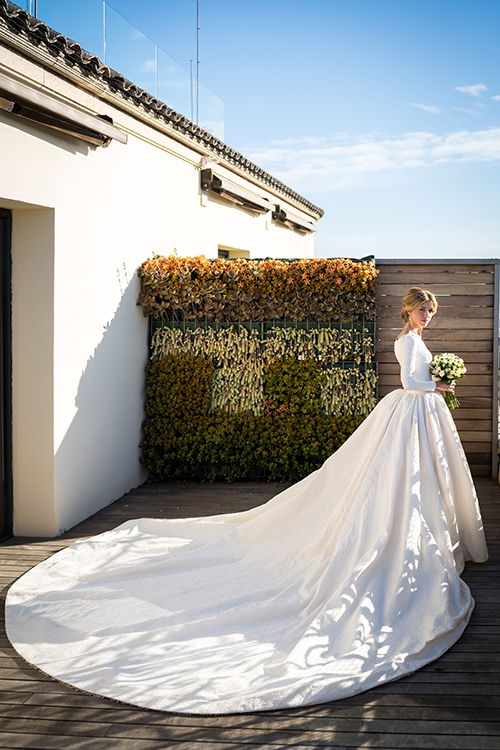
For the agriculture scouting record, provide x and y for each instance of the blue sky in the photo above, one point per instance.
(386, 113)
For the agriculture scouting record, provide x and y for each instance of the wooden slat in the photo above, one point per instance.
(468, 382)
(467, 289)
(445, 313)
(393, 329)
(456, 276)
(444, 339)
(384, 357)
(444, 324)
(389, 368)
(483, 425)
(476, 436)
(467, 401)
(480, 470)
(466, 415)
(477, 447)
(485, 301)
(36, 741)
(440, 337)
(376, 720)
(484, 458)
(430, 268)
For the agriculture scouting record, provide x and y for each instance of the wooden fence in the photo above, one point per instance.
(467, 324)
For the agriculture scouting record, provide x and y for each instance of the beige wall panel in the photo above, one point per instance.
(35, 512)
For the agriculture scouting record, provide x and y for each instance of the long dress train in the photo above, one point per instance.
(345, 580)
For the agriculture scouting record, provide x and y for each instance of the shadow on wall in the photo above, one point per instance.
(63, 141)
(98, 459)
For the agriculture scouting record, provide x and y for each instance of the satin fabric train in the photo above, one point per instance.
(345, 580)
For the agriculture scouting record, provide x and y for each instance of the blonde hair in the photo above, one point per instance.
(413, 298)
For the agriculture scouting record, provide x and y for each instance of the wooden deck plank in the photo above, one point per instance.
(357, 703)
(382, 720)
(99, 713)
(453, 702)
(484, 720)
(327, 738)
(28, 741)
(52, 726)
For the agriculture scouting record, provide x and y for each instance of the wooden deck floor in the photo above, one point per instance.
(452, 703)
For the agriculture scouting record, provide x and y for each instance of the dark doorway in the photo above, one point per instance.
(5, 376)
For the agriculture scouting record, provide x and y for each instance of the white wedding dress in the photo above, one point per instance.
(345, 580)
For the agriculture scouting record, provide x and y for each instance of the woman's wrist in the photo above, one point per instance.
(445, 386)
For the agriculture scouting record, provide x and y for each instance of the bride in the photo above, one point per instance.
(345, 580)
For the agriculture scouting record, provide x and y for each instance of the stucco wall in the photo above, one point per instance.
(84, 218)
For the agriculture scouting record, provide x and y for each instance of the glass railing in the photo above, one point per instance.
(101, 30)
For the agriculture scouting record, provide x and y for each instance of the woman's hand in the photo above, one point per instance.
(441, 386)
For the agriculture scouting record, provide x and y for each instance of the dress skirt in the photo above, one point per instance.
(343, 581)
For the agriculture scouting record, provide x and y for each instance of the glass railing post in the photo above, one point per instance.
(101, 30)
(156, 71)
(104, 31)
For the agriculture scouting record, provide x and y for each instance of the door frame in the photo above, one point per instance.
(6, 512)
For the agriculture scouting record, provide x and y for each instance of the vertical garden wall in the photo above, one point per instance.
(258, 369)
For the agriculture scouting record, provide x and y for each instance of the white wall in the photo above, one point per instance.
(84, 219)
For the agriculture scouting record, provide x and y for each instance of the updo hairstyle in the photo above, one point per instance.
(413, 298)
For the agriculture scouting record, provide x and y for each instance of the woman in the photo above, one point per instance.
(417, 309)
(345, 580)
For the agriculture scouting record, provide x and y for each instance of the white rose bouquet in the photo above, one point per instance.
(448, 367)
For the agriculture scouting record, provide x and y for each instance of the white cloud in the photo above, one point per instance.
(216, 127)
(173, 83)
(426, 107)
(148, 66)
(328, 164)
(496, 98)
(137, 34)
(466, 111)
(476, 89)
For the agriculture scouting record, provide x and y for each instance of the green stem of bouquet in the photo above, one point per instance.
(449, 397)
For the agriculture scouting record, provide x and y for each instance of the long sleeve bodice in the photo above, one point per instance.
(414, 359)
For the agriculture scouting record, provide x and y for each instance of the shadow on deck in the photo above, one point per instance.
(453, 702)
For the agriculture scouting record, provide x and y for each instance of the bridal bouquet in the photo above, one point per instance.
(448, 367)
